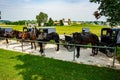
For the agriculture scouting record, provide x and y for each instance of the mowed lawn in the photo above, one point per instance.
(20, 66)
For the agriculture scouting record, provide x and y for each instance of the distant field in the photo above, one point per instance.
(67, 29)
(15, 27)
(72, 29)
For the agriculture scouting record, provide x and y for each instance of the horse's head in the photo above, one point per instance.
(68, 39)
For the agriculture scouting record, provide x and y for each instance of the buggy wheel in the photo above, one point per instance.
(103, 50)
(70, 48)
(109, 53)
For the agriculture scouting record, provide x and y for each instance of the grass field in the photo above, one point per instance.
(70, 29)
(19, 66)
(67, 29)
(15, 27)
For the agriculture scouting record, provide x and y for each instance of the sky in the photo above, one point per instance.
(76, 10)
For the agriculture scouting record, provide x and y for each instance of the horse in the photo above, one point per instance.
(17, 34)
(6, 34)
(47, 37)
(29, 35)
(2, 31)
(68, 40)
(84, 39)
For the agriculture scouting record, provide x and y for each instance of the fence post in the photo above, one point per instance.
(114, 57)
(74, 53)
(6, 42)
(22, 46)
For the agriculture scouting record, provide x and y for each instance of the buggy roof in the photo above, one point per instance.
(116, 29)
(7, 29)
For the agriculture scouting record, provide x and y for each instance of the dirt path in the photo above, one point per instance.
(85, 58)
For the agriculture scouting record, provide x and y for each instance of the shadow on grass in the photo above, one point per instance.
(31, 68)
(40, 68)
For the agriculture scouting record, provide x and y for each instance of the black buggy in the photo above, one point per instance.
(110, 37)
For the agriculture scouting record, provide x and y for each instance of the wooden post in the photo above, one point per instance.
(22, 45)
(74, 53)
(6, 42)
(114, 57)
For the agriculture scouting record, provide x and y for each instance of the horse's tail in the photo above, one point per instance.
(57, 40)
(97, 40)
(96, 43)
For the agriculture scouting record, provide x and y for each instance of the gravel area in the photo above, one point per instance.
(63, 54)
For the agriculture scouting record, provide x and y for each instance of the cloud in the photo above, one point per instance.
(27, 0)
(57, 9)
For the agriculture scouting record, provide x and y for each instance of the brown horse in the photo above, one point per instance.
(26, 35)
(17, 34)
(84, 39)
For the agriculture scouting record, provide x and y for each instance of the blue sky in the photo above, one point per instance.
(78, 10)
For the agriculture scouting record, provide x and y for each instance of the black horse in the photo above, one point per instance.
(84, 39)
(68, 40)
(45, 37)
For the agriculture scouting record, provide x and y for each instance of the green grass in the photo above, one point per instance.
(78, 28)
(19, 66)
(15, 27)
(118, 53)
(67, 29)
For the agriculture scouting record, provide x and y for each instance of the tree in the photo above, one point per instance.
(50, 22)
(41, 18)
(61, 23)
(110, 9)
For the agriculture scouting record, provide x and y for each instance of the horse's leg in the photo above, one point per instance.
(78, 52)
(57, 46)
(94, 51)
(6, 40)
(41, 48)
(34, 45)
(31, 45)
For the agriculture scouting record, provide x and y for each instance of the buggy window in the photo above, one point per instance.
(118, 38)
(45, 30)
(104, 32)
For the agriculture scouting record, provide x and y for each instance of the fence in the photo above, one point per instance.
(74, 45)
